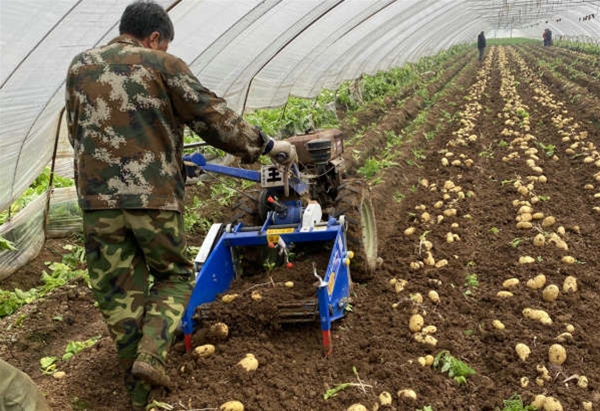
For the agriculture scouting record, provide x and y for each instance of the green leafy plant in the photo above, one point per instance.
(456, 369)
(548, 148)
(516, 241)
(7, 245)
(515, 403)
(75, 257)
(373, 166)
(494, 230)
(39, 185)
(269, 265)
(48, 365)
(74, 347)
(471, 280)
(59, 274)
(398, 197)
(426, 408)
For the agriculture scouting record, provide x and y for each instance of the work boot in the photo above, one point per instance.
(151, 371)
(138, 392)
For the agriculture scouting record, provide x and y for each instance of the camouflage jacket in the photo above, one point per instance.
(126, 110)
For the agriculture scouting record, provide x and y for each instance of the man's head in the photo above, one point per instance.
(149, 23)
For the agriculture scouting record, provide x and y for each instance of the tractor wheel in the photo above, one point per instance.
(246, 210)
(354, 202)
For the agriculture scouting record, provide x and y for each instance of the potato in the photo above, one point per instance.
(385, 398)
(552, 404)
(433, 296)
(416, 298)
(219, 331)
(524, 381)
(204, 351)
(249, 363)
(567, 259)
(538, 402)
(526, 260)
(525, 210)
(511, 282)
(557, 354)
(232, 406)
(550, 293)
(587, 405)
(430, 329)
(59, 375)
(357, 407)
(539, 240)
(543, 371)
(416, 265)
(539, 315)
(228, 298)
(399, 286)
(582, 381)
(415, 323)
(570, 284)
(407, 394)
(524, 217)
(422, 362)
(523, 351)
(504, 294)
(498, 325)
(548, 221)
(409, 231)
(429, 359)
(450, 212)
(569, 327)
(524, 225)
(256, 296)
(289, 284)
(537, 282)
(429, 260)
(441, 263)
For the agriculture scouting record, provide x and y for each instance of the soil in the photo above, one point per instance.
(373, 348)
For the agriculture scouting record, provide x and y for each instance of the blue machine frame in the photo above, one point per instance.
(217, 273)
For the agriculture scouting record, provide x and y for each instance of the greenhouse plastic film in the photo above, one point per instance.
(64, 214)
(26, 231)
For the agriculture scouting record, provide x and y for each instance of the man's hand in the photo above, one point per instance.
(283, 153)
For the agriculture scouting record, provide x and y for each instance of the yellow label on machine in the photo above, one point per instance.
(273, 234)
(331, 283)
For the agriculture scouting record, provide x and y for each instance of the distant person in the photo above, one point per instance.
(481, 45)
(547, 37)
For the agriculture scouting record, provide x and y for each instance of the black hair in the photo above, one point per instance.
(142, 18)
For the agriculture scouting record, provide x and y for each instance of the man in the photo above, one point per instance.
(547, 36)
(481, 45)
(127, 104)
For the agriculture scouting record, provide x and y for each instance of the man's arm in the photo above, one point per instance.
(208, 115)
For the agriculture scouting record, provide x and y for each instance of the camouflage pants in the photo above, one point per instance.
(123, 249)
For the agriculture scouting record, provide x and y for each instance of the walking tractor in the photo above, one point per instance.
(307, 203)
